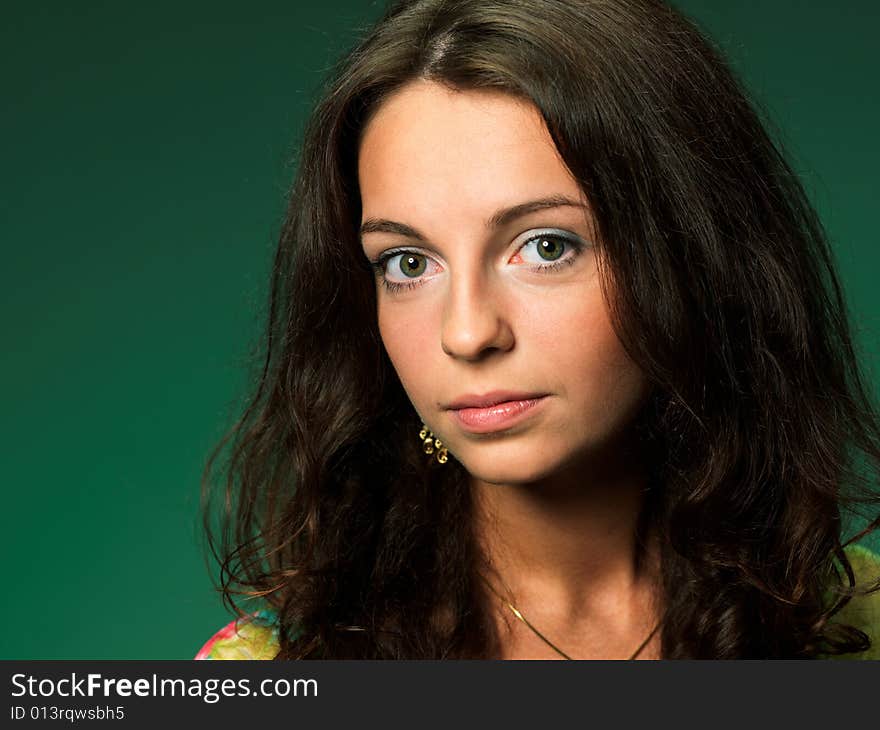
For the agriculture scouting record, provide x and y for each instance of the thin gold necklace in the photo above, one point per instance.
(518, 614)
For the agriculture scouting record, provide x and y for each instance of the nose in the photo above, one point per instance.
(474, 320)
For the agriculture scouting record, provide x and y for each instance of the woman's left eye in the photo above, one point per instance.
(549, 250)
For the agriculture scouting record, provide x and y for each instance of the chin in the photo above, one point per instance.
(522, 468)
(526, 461)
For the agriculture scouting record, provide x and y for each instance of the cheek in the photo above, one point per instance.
(409, 340)
(593, 369)
(578, 336)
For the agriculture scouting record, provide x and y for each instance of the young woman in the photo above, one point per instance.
(558, 363)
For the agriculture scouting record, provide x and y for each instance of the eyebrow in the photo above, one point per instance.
(498, 219)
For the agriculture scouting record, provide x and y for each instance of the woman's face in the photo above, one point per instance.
(489, 303)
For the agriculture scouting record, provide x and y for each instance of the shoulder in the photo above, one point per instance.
(863, 612)
(251, 637)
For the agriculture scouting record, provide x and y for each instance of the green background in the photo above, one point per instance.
(145, 153)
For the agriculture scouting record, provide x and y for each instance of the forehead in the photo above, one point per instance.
(432, 151)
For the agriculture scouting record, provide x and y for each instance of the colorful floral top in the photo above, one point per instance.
(256, 636)
(253, 637)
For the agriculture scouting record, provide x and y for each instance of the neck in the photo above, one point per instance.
(567, 549)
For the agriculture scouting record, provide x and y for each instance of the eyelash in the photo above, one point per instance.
(576, 245)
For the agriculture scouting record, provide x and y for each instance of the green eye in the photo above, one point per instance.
(550, 249)
(413, 265)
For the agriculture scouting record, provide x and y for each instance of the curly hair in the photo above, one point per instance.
(760, 427)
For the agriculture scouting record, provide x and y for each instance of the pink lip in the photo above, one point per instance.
(490, 399)
(493, 411)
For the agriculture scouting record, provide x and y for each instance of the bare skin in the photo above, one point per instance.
(568, 561)
(478, 294)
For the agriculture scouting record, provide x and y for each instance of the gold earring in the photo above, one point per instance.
(431, 444)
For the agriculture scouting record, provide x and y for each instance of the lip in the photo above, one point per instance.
(494, 411)
(491, 399)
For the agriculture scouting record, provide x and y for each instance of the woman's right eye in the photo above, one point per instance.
(404, 269)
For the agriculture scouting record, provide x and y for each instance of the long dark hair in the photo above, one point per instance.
(760, 428)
